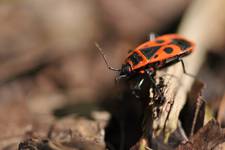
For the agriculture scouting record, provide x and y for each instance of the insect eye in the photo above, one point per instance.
(125, 69)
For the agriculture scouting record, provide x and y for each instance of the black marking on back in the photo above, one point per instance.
(168, 50)
(150, 51)
(183, 44)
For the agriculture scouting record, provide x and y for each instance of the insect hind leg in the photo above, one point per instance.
(184, 70)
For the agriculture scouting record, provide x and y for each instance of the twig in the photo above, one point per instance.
(194, 26)
(198, 106)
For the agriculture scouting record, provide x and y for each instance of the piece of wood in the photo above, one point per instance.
(207, 138)
(200, 25)
(194, 109)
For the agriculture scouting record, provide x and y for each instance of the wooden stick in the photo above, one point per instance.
(199, 24)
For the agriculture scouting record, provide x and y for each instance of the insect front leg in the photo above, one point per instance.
(140, 86)
(136, 89)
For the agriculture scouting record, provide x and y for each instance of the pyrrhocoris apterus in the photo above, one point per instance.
(154, 54)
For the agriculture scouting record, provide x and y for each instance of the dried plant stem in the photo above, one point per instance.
(198, 106)
(194, 26)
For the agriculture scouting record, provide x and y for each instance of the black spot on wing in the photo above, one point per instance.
(183, 44)
(168, 50)
(149, 51)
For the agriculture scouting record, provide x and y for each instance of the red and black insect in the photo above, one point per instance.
(141, 65)
(153, 55)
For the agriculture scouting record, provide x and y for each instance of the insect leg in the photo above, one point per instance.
(137, 88)
(118, 78)
(184, 70)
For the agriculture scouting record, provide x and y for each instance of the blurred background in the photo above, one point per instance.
(48, 60)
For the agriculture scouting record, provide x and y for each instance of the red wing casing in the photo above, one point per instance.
(160, 49)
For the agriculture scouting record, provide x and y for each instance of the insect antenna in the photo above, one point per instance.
(105, 59)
